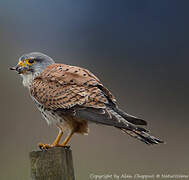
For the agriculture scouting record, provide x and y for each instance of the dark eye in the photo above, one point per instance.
(31, 61)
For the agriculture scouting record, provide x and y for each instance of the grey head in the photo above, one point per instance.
(32, 64)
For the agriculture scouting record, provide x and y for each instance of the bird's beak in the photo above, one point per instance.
(21, 67)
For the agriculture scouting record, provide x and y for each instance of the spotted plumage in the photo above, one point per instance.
(70, 97)
(63, 86)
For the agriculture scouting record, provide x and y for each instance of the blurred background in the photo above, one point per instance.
(140, 51)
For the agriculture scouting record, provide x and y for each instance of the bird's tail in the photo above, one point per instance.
(142, 136)
(130, 126)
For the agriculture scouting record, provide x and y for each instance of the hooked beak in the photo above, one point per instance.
(21, 68)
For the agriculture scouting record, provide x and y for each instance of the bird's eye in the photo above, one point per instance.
(30, 61)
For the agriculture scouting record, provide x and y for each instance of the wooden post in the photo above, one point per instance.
(53, 164)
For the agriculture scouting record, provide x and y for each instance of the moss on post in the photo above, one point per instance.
(53, 164)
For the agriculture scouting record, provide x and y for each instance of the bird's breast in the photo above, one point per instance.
(49, 115)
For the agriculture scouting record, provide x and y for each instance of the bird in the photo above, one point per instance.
(71, 97)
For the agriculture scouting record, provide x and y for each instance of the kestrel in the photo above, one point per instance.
(70, 97)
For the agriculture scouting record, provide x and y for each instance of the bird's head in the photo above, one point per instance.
(32, 63)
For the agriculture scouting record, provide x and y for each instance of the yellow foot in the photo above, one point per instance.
(45, 146)
(48, 146)
(61, 145)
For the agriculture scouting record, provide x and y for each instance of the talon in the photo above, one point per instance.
(41, 148)
(68, 147)
(44, 146)
(64, 146)
(40, 145)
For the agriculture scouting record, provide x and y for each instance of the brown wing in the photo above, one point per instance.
(64, 86)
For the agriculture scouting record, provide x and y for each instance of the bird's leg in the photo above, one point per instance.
(57, 140)
(67, 139)
(54, 144)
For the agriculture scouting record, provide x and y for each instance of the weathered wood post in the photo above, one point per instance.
(53, 164)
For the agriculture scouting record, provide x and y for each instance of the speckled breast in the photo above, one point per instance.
(49, 115)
